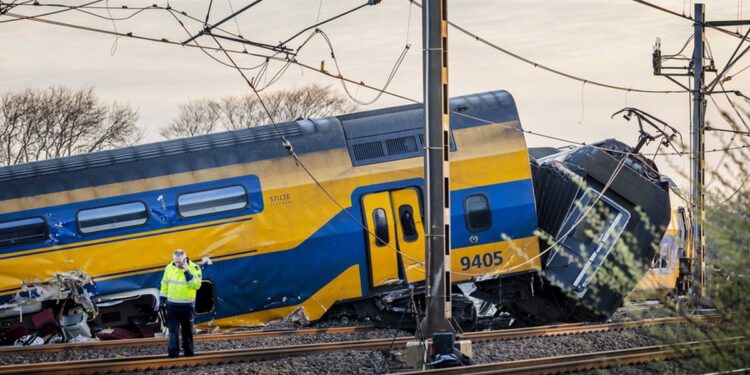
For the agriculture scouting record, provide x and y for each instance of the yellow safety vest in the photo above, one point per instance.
(174, 285)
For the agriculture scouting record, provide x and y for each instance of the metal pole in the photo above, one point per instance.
(697, 161)
(436, 167)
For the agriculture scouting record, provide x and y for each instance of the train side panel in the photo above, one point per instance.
(289, 248)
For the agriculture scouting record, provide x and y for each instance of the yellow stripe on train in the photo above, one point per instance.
(278, 227)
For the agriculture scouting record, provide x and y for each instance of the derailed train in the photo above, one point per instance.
(275, 246)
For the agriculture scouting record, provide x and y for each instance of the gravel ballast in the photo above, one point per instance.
(379, 362)
(91, 353)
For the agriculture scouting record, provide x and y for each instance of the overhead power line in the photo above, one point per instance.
(321, 23)
(549, 69)
(290, 149)
(66, 8)
(294, 61)
(706, 24)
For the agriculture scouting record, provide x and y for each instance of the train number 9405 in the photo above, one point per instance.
(482, 260)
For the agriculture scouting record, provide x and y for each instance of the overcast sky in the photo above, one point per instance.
(608, 41)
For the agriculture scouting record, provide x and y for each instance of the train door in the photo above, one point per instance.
(395, 242)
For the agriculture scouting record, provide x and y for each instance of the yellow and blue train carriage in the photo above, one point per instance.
(277, 244)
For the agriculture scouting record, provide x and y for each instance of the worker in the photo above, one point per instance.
(181, 280)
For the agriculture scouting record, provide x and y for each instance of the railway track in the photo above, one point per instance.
(244, 335)
(586, 361)
(254, 354)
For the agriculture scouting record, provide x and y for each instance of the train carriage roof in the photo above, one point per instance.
(231, 147)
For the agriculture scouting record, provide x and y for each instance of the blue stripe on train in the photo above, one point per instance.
(513, 213)
(286, 278)
(161, 206)
(272, 280)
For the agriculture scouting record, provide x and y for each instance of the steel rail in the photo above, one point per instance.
(253, 354)
(516, 332)
(577, 329)
(587, 361)
(243, 335)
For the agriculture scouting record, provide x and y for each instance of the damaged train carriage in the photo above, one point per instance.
(277, 244)
(274, 246)
(603, 210)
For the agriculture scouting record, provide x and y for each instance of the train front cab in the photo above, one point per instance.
(598, 206)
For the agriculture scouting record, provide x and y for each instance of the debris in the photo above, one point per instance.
(15, 333)
(29, 340)
(149, 329)
(59, 287)
(115, 334)
(61, 307)
(81, 339)
(74, 324)
(298, 317)
(44, 322)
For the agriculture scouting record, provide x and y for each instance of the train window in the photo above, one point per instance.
(408, 227)
(590, 230)
(119, 216)
(667, 248)
(585, 232)
(212, 201)
(22, 231)
(478, 214)
(382, 237)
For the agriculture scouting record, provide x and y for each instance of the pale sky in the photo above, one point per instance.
(608, 41)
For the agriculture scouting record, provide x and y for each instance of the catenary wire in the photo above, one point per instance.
(300, 64)
(66, 9)
(321, 23)
(547, 68)
(299, 162)
(690, 18)
(226, 52)
(295, 62)
(290, 148)
(339, 76)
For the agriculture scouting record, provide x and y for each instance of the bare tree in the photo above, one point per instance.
(58, 121)
(231, 113)
(197, 117)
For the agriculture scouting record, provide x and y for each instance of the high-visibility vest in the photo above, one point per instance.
(174, 285)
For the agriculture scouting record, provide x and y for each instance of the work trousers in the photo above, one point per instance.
(180, 319)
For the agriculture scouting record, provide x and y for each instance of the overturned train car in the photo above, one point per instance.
(274, 246)
(602, 212)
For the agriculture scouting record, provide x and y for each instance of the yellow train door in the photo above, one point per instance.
(395, 242)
